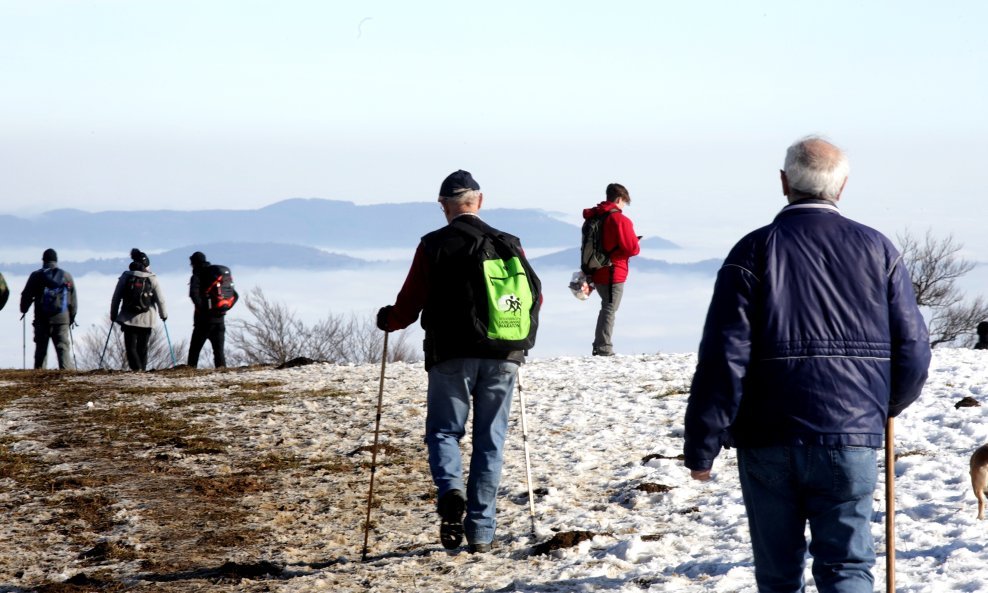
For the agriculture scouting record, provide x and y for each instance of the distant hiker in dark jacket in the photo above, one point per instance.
(207, 324)
(982, 336)
(464, 372)
(812, 340)
(52, 292)
(620, 243)
(134, 301)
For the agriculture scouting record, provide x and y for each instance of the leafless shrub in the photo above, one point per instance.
(89, 348)
(935, 266)
(275, 335)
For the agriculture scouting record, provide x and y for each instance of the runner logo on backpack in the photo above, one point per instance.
(138, 294)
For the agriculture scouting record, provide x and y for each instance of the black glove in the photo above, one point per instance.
(382, 318)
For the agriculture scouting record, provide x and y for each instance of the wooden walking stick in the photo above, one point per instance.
(377, 428)
(890, 505)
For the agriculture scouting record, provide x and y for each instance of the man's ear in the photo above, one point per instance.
(837, 198)
(785, 183)
(480, 200)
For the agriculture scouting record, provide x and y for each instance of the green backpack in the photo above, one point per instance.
(507, 308)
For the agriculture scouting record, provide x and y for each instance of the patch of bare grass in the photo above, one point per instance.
(19, 467)
(94, 509)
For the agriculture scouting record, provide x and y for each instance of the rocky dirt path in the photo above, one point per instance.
(189, 481)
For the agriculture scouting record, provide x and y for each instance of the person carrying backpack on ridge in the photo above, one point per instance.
(470, 282)
(618, 243)
(212, 292)
(52, 292)
(137, 292)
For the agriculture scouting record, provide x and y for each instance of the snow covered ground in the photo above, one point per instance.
(604, 435)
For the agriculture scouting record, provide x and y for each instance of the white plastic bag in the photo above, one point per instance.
(580, 286)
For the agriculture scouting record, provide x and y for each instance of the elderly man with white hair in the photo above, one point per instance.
(812, 341)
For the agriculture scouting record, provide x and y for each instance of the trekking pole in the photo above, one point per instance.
(169, 338)
(377, 428)
(24, 339)
(890, 505)
(75, 362)
(105, 345)
(528, 460)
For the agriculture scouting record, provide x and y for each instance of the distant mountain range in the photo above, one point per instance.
(570, 258)
(315, 222)
(233, 255)
(332, 224)
(287, 234)
(287, 256)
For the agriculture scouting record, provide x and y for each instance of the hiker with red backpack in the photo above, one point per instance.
(616, 244)
(136, 294)
(52, 292)
(212, 292)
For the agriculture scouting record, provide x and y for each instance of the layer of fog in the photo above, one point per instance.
(659, 313)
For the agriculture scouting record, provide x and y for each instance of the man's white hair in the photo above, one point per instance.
(465, 196)
(816, 167)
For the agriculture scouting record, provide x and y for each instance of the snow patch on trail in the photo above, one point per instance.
(292, 469)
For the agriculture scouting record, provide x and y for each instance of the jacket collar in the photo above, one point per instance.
(808, 204)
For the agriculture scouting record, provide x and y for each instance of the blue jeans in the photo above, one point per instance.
(453, 384)
(832, 489)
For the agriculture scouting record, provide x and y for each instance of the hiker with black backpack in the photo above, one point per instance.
(479, 299)
(136, 294)
(212, 292)
(609, 240)
(52, 292)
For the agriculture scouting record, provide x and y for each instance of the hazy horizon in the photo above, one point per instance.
(115, 105)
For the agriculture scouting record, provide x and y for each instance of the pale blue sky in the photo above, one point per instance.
(122, 104)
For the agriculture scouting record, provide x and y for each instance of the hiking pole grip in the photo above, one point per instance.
(890, 505)
(528, 459)
(377, 429)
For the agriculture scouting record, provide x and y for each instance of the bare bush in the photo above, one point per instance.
(934, 267)
(89, 348)
(275, 335)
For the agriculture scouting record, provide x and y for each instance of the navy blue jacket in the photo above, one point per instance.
(813, 337)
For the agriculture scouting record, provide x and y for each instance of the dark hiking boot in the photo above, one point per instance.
(479, 548)
(451, 508)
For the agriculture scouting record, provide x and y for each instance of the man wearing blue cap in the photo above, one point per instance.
(463, 369)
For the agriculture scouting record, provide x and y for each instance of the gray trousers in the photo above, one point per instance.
(58, 333)
(610, 300)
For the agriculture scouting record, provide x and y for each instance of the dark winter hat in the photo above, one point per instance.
(197, 259)
(456, 183)
(49, 255)
(140, 257)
